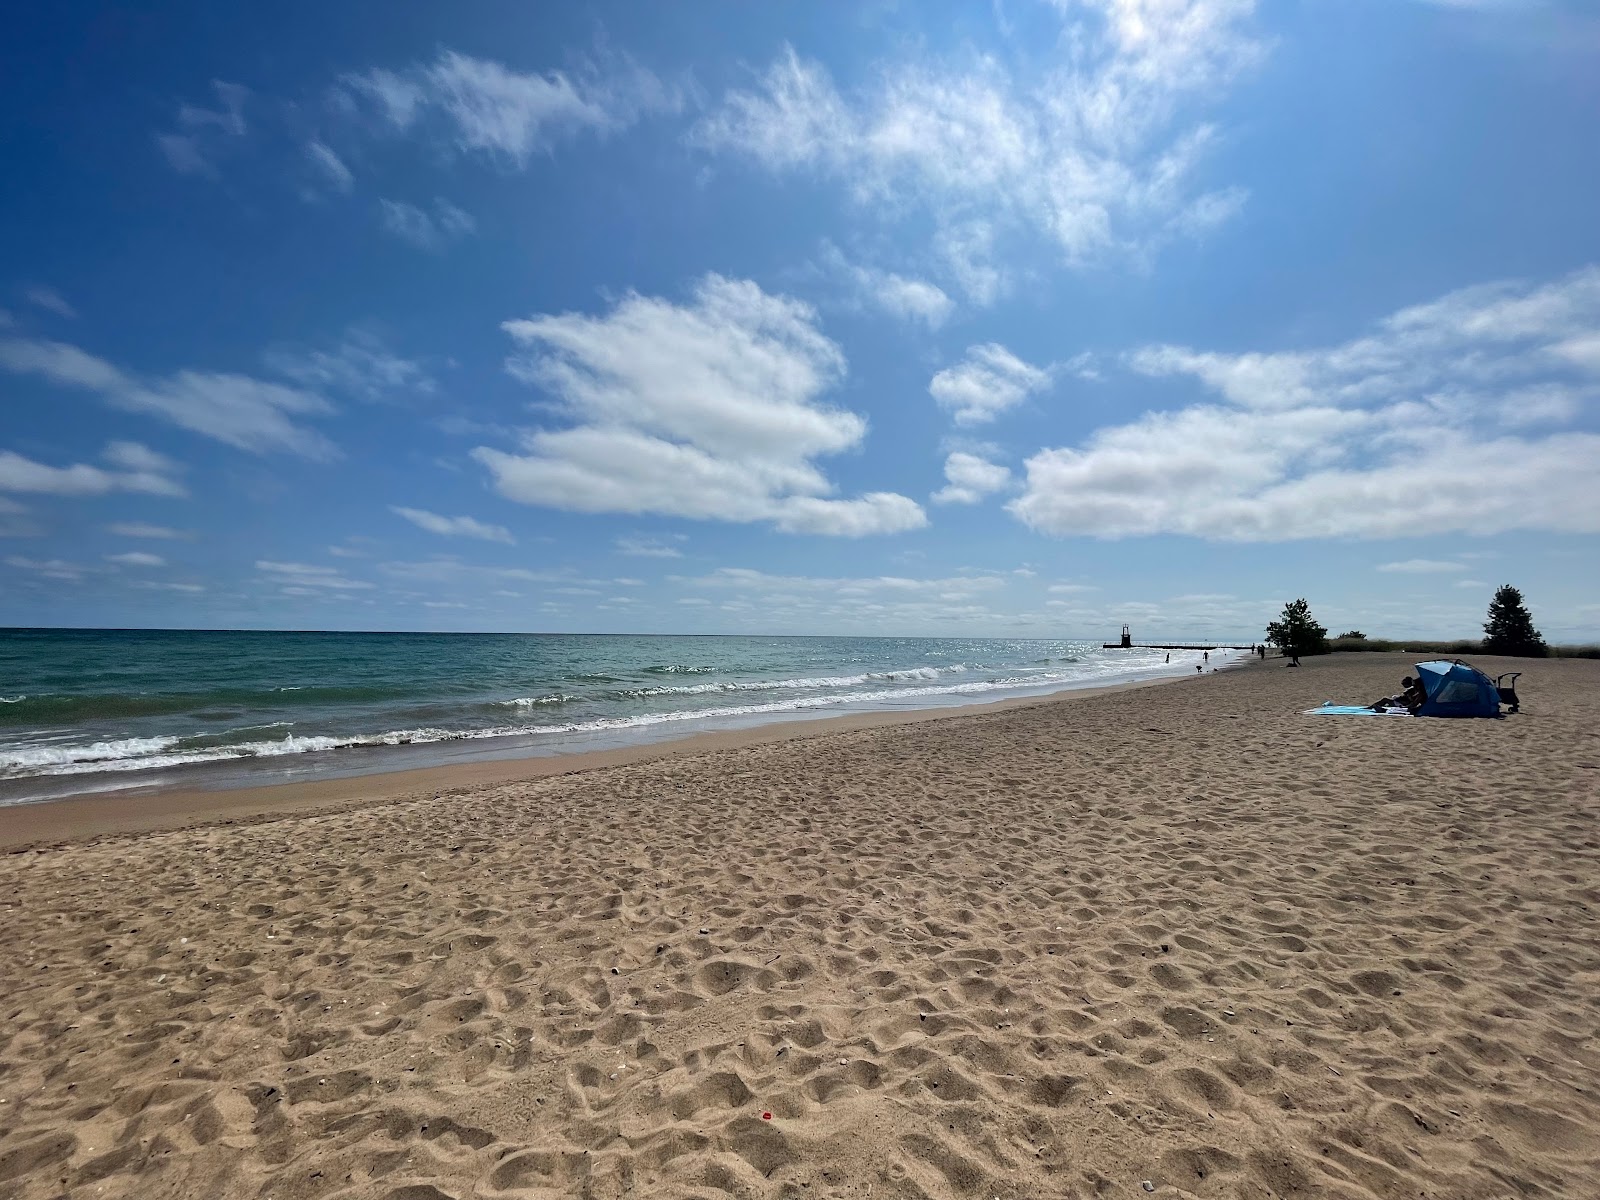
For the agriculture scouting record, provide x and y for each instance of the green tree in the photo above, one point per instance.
(1355, 635)
(1509, 629)
(1297, 632)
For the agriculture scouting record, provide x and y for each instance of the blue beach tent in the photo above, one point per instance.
(1456, 690)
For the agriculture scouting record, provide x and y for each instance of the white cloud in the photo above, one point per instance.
(138, 458)
(491, 109)
(51, 300)
(1070, 589)
(238, 410)
(748, 579)
(900, 296)
(303, 575)
(971, 478)
(985, 384)
(875, 512)
(651, 547)
(144, 471)
(455, 526)
(138, 529)
(206, 131)
(361, 365)
(1097, 155)
(707, 410)
(330, 166)
(159, 586)
(1471, 583)
(426, 231)
(136, 558)
(1421, 566)
(53, 568)
(1404, 432)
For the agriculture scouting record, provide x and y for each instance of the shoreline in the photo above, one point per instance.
(89, 816)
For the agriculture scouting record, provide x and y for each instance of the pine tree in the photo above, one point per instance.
(1297, 632)
(1509, 629)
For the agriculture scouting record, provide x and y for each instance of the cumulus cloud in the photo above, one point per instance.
(238, 410)
(454, 526)
(1097, 156)
(988, 381)
(425, 230)
(1407, 431)
(710, 409)
(488, 108)
(136, 469)
(971, 478)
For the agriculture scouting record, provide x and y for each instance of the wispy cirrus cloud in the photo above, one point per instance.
(467, 527)
(140, 529)
(204, 133)
(1416, 428)
(361, 365)
(329, 166)
(906, 297)
(133, 468)
(665, 546)
(485, 107)
(432, 230)
(238, 410)
(308, 576)
(1099, 156)
(710, 409)
(1420, 566)
(51, 300)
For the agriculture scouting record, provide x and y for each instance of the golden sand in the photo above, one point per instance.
(1179, 941)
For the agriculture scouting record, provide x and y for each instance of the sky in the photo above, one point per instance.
(1029, 318)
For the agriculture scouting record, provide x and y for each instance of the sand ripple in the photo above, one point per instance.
(1056, 951)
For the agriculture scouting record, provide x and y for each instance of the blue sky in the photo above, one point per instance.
(1025, 318)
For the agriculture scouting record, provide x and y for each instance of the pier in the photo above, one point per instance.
(1127, 643)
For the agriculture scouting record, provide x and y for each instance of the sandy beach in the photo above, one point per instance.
(1176, 940)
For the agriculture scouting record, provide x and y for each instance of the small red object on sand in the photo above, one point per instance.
(766, 1116)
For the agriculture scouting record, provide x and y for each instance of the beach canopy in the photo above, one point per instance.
(1456, 690)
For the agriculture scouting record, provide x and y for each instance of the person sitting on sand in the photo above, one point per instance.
(1410, 698)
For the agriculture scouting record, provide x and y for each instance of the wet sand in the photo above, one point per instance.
(1180, 936)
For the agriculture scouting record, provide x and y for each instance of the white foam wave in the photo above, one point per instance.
(533, 701)
(12, 699)
(133, 754)
(93, 756)
(812, 683)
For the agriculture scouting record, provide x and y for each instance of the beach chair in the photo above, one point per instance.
(1506, 686)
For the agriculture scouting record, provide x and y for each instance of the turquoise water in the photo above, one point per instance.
(107, 708)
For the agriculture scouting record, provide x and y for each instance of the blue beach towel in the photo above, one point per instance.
(1330, 709)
